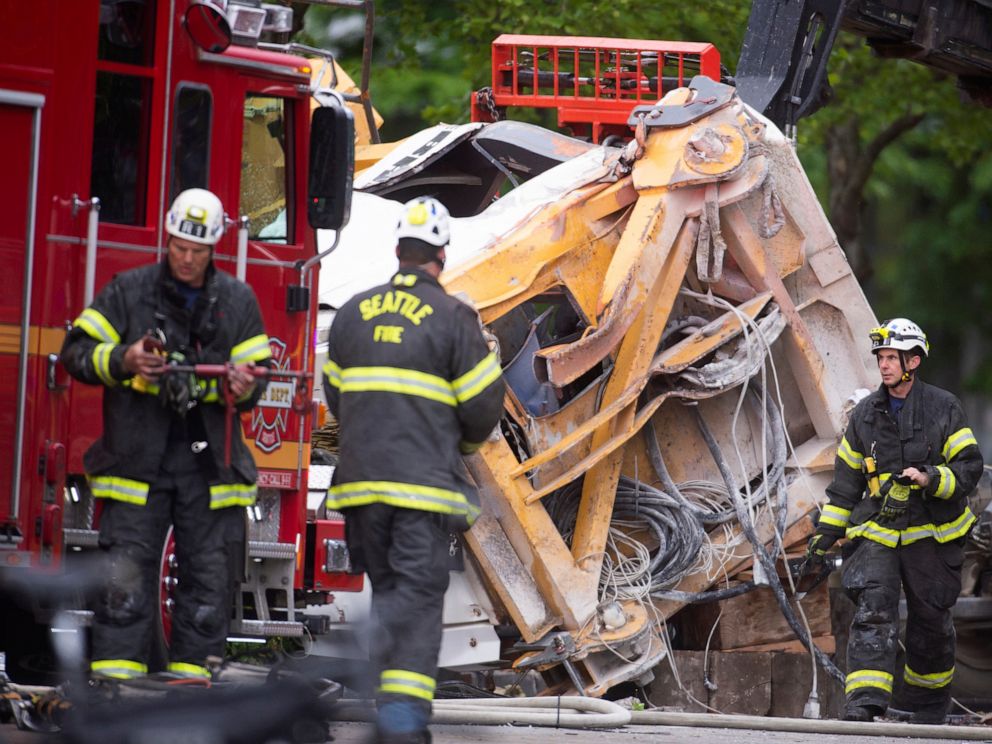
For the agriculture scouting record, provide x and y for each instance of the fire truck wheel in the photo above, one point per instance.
(167, 578)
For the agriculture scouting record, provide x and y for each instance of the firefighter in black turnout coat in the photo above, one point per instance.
(413, 386)
(161, 458)
(903, 472)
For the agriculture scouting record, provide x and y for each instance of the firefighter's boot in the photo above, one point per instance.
(865, 713)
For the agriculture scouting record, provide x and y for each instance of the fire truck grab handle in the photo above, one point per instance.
(92, 224)
(241, 265)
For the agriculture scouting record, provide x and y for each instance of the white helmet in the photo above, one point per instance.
(196, 215)
(901, 334)
(426, 219)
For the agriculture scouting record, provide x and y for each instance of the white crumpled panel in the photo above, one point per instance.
(366, 256)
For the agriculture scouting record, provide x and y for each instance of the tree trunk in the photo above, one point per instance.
(849, 165)
(846, 194)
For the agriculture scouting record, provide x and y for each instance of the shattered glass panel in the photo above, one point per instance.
(265, 169)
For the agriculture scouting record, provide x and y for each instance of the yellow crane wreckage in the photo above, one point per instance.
(696, 259)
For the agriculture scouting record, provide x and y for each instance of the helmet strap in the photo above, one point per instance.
(907, 375)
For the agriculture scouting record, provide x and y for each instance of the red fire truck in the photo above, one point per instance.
(108, 108)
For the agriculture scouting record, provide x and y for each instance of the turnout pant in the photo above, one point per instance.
(209, 549)
(930, 575)
(405, 554)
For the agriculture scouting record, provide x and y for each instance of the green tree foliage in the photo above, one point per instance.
(430, 56)
(900, 163)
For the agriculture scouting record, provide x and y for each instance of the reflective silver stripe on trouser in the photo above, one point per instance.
(930, 681)
(119, 489)
(232, 494)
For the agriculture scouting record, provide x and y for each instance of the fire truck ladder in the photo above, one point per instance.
(593, 82)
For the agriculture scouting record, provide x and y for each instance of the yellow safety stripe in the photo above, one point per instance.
(930, 681)
(397, 380)
(141, 385)
(853, 458)
(101, 363)
(119, 489)
(333, 373)
(835, 515)
(232, 494)
(942, 533)
(467, 448)
(97, 326)
(947, 483)
(405, 495)
(868, 678)
(956, 442)
(401, 682)
(477, 379)
(191, 671)
(254, 349)
(875, 532)
(119, 668)
(213, 391)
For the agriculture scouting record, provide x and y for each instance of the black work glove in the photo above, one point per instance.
(818, 545)
(895, 499)
(178, 391)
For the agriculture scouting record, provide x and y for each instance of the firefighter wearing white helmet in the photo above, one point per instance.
(196, 215)
(413, 384)
(903, 472)
(905, 337)
(423, 233)
(166, 456)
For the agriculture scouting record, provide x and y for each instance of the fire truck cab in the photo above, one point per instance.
(108, 109)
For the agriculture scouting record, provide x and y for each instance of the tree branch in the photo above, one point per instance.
(882, 140)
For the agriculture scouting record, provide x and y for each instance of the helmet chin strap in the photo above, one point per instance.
(906, 374)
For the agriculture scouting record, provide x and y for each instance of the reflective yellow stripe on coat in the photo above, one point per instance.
(405, 495)
(477, 379)
(956, 442)
(942, 533)
(947, 483)
(97, 326)
(835, 516)
(333, 373)
(254, 349)
(101, 363)
(854, 459)
(395, 380)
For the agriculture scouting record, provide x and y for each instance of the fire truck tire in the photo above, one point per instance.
(973, 664)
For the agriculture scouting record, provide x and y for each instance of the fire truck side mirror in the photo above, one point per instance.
(208, 26)
(332, 167)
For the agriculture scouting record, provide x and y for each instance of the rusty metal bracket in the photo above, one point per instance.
(709, 96)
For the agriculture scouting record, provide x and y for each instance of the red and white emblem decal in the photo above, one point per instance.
(271, 416)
